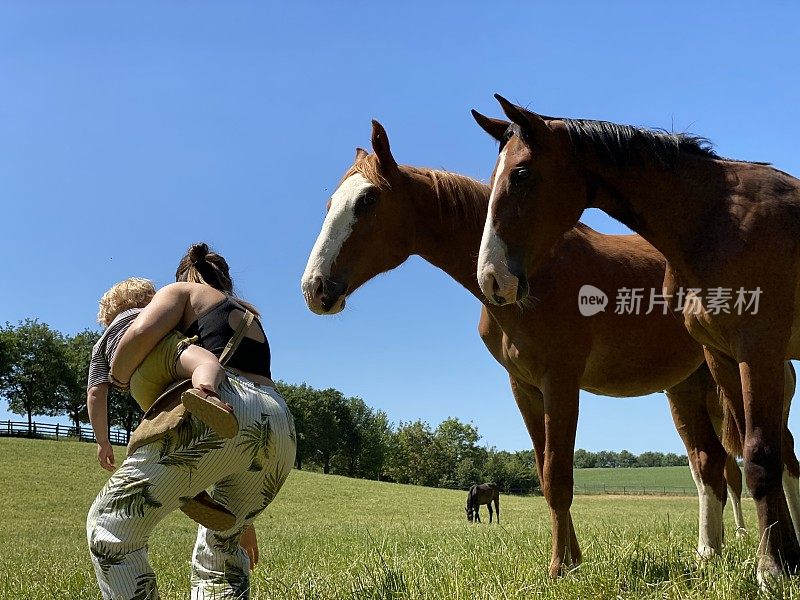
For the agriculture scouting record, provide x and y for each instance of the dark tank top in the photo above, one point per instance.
(214, 332)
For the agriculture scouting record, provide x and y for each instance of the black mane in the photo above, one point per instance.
(625, 145)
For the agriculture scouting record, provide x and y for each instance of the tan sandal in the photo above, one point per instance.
(206, 406)
(210, 514)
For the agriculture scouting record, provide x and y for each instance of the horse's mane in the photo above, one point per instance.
(463, 196)
(625, 145)
(370, 169)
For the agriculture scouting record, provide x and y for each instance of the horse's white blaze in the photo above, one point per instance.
(709, 539)
(493, 254)
(336, 228)
(738, 517)
(791, 489)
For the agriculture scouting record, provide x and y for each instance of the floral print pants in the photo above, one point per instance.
(243, 473)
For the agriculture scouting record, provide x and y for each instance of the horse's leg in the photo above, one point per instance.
(791, 469)
(489, 507)
(763, 380)
(706, 455)
(561, 420)
(531, 405)
(497, 507)
(733, 477)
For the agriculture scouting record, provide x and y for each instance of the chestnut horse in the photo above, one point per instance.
(726, 228)
(382, 213)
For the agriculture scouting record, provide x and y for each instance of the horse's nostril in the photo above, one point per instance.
(316, 288)
(495, 288)
(495, 285)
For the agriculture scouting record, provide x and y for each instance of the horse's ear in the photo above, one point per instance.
(529, 121)
(360, 154)
(494, 127)
(380, 145)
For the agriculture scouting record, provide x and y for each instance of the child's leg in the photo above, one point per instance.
(203, 400)
(202, 366)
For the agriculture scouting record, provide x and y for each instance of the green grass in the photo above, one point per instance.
(670, 477)
(332, 537)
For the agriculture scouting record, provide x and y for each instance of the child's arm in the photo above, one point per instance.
(249, 544)
(97, 405)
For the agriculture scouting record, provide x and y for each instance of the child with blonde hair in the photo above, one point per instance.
(174, 358)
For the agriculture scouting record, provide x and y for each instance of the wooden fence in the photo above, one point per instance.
(57, 431)
(638, 490)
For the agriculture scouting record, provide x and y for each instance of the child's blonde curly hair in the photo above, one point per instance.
(133, 292)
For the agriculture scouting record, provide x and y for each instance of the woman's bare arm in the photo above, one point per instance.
(157, 319)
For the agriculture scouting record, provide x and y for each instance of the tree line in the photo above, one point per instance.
(587, 460)
(342, 435)
(43, 372)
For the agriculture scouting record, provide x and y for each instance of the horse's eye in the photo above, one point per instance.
(520, 174)
(367, 200)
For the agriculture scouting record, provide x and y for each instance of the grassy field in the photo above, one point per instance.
(670, 477)
(332, 537)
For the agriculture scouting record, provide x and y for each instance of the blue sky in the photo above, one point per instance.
(130, 130)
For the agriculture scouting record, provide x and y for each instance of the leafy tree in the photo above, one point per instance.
(123, 411)
(650, 459)
(377, 438)
(416, 456)
(300, 399)
(78, 353)
(469, 471)
(35, 382)
(458, 442)
(365, 440)
(6, 349)
(626, 459)
(352, 415)
(584, 459)
(674, 460)
(326, 425)
(606, 459)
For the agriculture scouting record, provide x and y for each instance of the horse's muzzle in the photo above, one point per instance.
(324, 296)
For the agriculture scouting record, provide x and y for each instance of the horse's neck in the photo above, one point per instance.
(671, 208)
(449, 237)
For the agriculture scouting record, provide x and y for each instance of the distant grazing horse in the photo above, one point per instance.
(382, 213)
(729, 229)
(484, 493)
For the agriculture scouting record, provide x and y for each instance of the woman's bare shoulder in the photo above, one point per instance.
(198, 295)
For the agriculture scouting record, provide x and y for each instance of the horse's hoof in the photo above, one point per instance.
(563, 569)
(706, 552)
(769, 574)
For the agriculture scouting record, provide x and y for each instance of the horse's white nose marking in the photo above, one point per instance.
(493, 255)
(336, 228)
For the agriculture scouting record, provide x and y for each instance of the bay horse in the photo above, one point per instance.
(722, 225)
(483, 493)
(382, 213)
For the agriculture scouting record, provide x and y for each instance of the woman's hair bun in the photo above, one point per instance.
(198, 252)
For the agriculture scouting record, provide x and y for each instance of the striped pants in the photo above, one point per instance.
(243, 473)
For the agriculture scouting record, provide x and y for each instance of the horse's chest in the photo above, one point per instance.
(520, 360)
